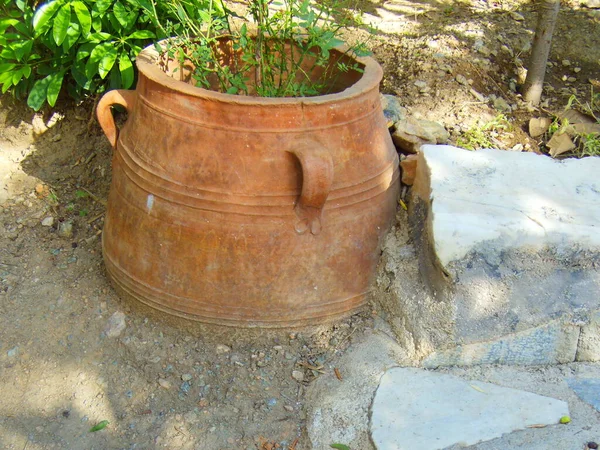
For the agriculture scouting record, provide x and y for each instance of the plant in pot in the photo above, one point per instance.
(254, 178)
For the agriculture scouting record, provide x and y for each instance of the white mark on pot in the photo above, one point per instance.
(150, 203)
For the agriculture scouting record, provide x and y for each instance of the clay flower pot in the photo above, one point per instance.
(248, 211)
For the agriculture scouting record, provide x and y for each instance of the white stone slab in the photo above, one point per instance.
(416, 409)
(511, 200)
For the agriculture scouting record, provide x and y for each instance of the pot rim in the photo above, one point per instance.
(147, 64)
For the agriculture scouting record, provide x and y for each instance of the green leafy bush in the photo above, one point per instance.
(84, 46)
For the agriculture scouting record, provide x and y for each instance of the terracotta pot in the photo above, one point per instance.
(248, 211)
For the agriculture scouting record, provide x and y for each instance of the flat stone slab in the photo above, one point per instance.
(416, 409)
(587, 389)
(508, 244)
(501, 199)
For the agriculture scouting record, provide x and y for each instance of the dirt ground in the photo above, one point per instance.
(66, 364)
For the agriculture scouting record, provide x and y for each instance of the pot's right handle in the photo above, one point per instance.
(317, 178)
(123, 97)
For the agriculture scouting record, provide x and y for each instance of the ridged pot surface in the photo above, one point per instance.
(243, 210)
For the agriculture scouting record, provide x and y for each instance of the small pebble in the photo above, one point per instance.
(48, 221)
(12, 352)
(577, 69)
(221, 349)
(298, 375)
(164, 383)
(185, 387)
(566, 62)
(186, 377)
(592, 445)
(66, 413)
(288, 408)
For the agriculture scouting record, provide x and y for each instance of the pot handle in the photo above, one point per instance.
(317, 178)
(123, 97)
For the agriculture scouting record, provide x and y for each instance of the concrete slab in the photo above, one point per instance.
(338, 410)
(587, 389)
(509, 254)
(417, 409)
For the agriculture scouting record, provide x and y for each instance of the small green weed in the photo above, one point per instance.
(480, 135)
(587, 144)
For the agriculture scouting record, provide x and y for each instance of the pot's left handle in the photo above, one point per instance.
(123, 97)
(317, 178)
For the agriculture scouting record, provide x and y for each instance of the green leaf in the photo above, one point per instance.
(120, 13)
(54, 86)
(73, 34)
(102, 5)
(98, 37)
(21, 48)
(340, 446)
(61, 24)
(83, 16)
(107, 62)
(78, 73)
(6, 23)
(7, 67)
(141, 34)
(38, 93)
(91, 67)
(84, 50)
(100, 425)
(126, 69)
(43, 15)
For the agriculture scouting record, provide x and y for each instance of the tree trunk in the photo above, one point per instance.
(547, 13)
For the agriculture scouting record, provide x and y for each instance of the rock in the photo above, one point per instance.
(164, 383)
(115, 325)
(592, 4)
(587, 389)
(409, 169)
(422, 85)
(516, 16)
(513, 255)
(589, 340)
(222, 349)
(410, 134)
(538, 126)
(417, 409)
(553, 343)
(48, 221)
(186, 377)
(298, 375)
(517, 148)
(566, 63)
(392, 109)
(12, 352)
(559, 144)
(462, 80)
(65, 229)
(501, 105)
(571, 79)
